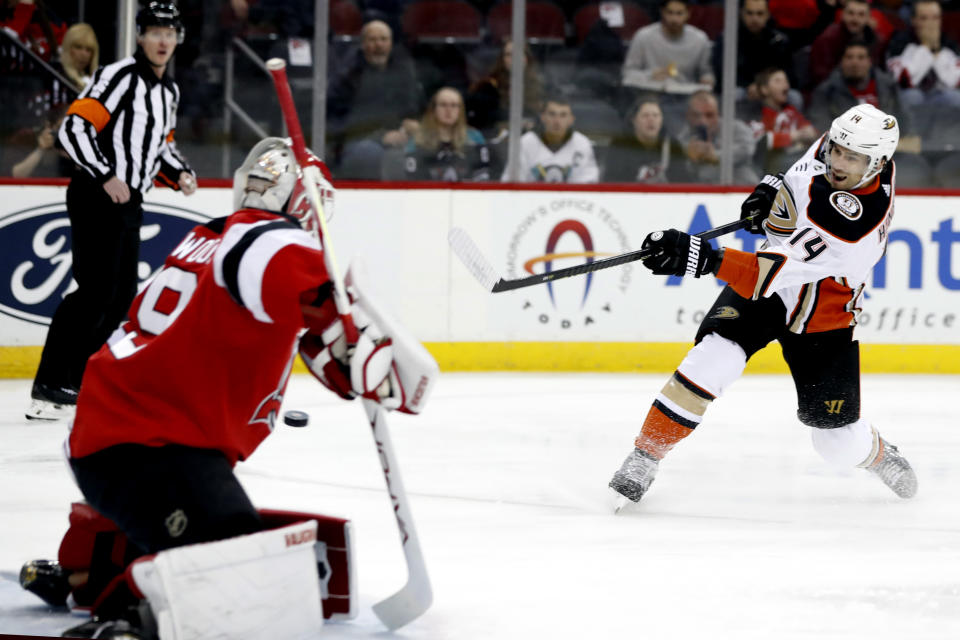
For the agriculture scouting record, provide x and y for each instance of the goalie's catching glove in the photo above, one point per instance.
(757, 205)
(675, 253)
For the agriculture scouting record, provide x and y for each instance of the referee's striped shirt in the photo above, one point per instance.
(122, 124)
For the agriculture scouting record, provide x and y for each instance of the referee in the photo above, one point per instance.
(119, 133)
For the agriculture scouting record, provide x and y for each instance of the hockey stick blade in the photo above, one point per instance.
(466, 249)
(468, 252)
(416, 596)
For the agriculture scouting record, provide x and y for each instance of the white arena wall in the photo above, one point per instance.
(620, 319)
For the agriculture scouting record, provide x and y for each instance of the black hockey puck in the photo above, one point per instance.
(296, 418)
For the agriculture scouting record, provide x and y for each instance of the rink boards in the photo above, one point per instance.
(620, 319)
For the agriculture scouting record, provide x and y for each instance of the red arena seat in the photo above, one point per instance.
(634, 17)
(708, 17)
(546, 23)
(449, 21)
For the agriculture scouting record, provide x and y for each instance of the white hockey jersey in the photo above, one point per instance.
(822, 243)
(574, 162)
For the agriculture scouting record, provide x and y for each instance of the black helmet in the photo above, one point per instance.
(160, 14)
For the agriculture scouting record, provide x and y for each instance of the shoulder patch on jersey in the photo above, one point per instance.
(844, 215)
(847, 204)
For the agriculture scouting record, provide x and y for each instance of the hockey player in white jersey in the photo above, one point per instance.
(826, 224)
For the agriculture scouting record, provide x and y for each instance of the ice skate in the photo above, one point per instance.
(52, 403)
(891, 467)
(107, 629)
(635, 476)
(46, 579)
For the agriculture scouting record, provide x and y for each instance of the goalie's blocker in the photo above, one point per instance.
(387, 365)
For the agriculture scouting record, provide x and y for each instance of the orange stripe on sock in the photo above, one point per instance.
(660, 433)
(92, 111)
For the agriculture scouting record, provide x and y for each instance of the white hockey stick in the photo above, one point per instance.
(416, 596)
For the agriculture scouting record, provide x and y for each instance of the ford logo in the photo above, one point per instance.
(36, 263)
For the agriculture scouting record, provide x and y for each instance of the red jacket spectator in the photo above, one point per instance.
(827, 49)
(35, 28)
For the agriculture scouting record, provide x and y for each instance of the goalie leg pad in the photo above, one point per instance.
(93, 543)
(259, 586)
(335, 564)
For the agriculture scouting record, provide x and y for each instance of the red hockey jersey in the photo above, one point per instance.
(204, 356)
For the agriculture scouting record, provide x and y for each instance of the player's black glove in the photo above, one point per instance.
(675, 253)
(757, 205)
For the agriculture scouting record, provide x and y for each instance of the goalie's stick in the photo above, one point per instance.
(416, 596)
(491, 280)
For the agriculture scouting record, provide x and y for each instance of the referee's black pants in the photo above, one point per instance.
(106, 250)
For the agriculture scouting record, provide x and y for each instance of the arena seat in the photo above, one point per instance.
(634, 17)
(442, 21)
(545, 23)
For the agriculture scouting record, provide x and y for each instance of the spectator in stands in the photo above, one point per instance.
(827, 49)
(488, 101)
(671, 58)
(556, 153)
(287, 18)
(600, 63)
(80, 54)
(802, 20)
(35, 25)
(855, 81)
(45, 161)
(649, 155)
(373, 104)
(784, 132)
(925, 62)
(702, 143)
(445, 148)
(759, 46)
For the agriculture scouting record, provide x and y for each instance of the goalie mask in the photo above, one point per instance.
(867, 130)
(271, 179)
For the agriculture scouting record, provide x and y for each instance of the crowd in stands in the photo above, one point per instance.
(623, 92)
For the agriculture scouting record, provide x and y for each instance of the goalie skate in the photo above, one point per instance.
(635, 475)
(891, 467)
(48, 403)
(107, 630)
(47, 580)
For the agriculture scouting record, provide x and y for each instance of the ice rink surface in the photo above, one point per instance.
(745, 533)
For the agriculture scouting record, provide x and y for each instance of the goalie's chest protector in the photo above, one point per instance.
(822, 244)
(204, 356)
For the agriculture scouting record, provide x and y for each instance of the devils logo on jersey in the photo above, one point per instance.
(269, 408)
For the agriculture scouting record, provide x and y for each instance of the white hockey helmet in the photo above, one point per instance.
(270, 179)
(867, 130)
